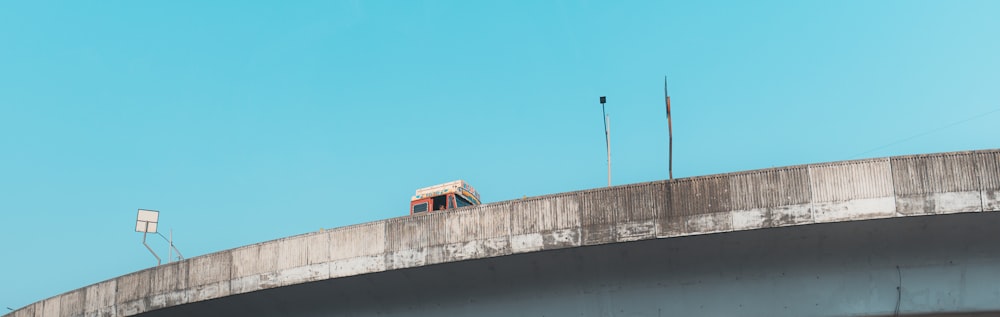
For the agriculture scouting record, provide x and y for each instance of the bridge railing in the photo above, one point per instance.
(786, 196)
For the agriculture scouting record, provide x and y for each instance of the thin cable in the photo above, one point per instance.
(926, 133)
(899, 290)
(171, 243)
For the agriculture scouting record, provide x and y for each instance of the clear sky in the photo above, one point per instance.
(246, 121)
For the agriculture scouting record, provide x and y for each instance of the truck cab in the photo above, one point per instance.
(445, 196)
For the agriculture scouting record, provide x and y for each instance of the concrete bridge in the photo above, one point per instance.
(910, 235)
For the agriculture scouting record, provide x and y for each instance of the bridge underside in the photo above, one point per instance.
(941, 265)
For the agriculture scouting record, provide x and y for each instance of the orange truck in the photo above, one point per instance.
(449, 195)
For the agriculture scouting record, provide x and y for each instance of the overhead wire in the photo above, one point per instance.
(927, 132)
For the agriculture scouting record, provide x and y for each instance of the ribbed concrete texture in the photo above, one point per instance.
(832, 269)
(599, 252)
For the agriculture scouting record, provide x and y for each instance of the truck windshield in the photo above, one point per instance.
(420, 208)
(462, 202)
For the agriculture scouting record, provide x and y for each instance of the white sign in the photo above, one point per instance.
(146, 221)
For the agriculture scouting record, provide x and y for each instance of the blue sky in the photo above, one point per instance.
(249, 121)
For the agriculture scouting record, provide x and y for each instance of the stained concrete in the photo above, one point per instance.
(897, 187)
(947, 263)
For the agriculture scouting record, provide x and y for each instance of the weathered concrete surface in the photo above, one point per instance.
(946, 183)
(831, 269)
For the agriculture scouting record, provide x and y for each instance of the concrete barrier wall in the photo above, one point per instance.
(99, 299)
(52, 307)
(700, 205)
(133, 292)
(169, 285)
(254, 267)
(358, 249)
(303, 259)
(635, 210)
(544, 223)
(26, 311)
(852, 190)
(937, 184)
(407, 240)
(598, 215)
(209, 275)
(478, 232)
(771, 198)
(817, 193)
(71, 304)
(989, 175)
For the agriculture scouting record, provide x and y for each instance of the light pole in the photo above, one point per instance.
(146, 222)
(607, 135)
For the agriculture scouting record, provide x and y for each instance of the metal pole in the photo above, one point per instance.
(147, 246)
(179, 255)
(607, 140)
(607, 133)
(170, 253)
(670, 127)
(171, 241)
